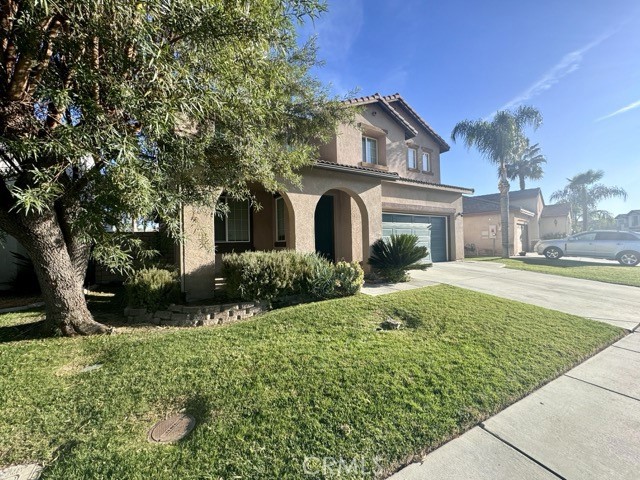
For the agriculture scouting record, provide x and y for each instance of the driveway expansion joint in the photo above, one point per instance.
(627, 349)
(521, 452)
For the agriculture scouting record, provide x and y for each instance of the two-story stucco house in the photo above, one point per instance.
(377, 176)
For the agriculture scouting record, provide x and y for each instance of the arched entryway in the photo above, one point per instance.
(341, 225)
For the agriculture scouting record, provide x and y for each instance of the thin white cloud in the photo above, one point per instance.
(626, 108)
(567, 65)
(337, 29)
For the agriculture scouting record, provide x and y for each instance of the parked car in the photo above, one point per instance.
(613, 245)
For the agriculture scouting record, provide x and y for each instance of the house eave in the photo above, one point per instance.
(433, 186)
(365, 171)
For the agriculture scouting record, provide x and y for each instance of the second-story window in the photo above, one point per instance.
(426, 162)
(412, 158)
(369, 150)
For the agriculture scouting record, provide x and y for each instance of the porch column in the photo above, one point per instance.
(197, 255)
(302, 230)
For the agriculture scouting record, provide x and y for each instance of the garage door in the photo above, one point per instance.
(431, 231)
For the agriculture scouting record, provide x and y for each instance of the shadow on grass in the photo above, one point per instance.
(106, 305)
(564, 263)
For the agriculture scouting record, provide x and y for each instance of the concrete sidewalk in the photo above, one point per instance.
(583, 425)
(614, 304)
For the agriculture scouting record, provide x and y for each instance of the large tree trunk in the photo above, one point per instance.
(58, 265)
(503, 186)
(523, 185)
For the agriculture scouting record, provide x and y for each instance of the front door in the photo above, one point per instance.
(323, 221)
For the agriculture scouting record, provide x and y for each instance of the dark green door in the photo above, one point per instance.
(324, 228)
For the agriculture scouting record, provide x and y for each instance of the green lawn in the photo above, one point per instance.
(602, 272)
(314, 380)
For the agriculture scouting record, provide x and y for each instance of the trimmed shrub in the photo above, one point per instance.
(153, 289)
(391, 259)
(275, 275)
(348, 278)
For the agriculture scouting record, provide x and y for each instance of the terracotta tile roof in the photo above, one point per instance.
(410, 132)
(357, 168)
(556, 210)
(396, 97)
(440, 185)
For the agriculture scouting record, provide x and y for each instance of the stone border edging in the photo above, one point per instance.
(195, 316)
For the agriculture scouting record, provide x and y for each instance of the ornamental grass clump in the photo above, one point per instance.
(392, 259)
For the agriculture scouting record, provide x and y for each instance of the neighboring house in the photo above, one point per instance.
(629, 221)
(529, 221)
(379, 175)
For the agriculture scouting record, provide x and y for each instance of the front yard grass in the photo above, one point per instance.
(306, 382)
(601, 272)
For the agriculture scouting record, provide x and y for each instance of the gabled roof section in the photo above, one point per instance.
(556, 210)
(479, 205)
(409, 131)
(513, 195)
(396, 97)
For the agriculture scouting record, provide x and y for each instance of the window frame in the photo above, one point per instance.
(428, 155)
(365, 139)
(226, 199)
(415, 158)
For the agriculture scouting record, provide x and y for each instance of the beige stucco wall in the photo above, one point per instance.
(374, 122)
(534, 205)
(196, 253)
(363, 210)
(416, 199)
(475, 224)
(555, 225)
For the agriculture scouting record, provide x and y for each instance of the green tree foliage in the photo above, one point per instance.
(392, 258)
(584, 192)
(526, 165)
(117, 109)
(499, 141)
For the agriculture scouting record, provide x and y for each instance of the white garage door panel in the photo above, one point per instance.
(431, 231)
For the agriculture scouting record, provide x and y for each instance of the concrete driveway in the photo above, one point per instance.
(614, 304)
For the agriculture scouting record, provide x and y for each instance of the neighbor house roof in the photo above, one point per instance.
(409, 131)
(513, 195)
(631, 212)
(556, 210)
(480, 205)
(396, 97)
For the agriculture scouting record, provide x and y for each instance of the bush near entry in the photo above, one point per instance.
(274, 275)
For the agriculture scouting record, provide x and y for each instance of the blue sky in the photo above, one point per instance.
(577, 61)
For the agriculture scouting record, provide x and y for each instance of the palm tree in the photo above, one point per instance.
(527, 165)
(584, 193)
(498, 140)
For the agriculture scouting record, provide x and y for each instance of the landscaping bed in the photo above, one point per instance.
(275, 396)
(601, 272)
